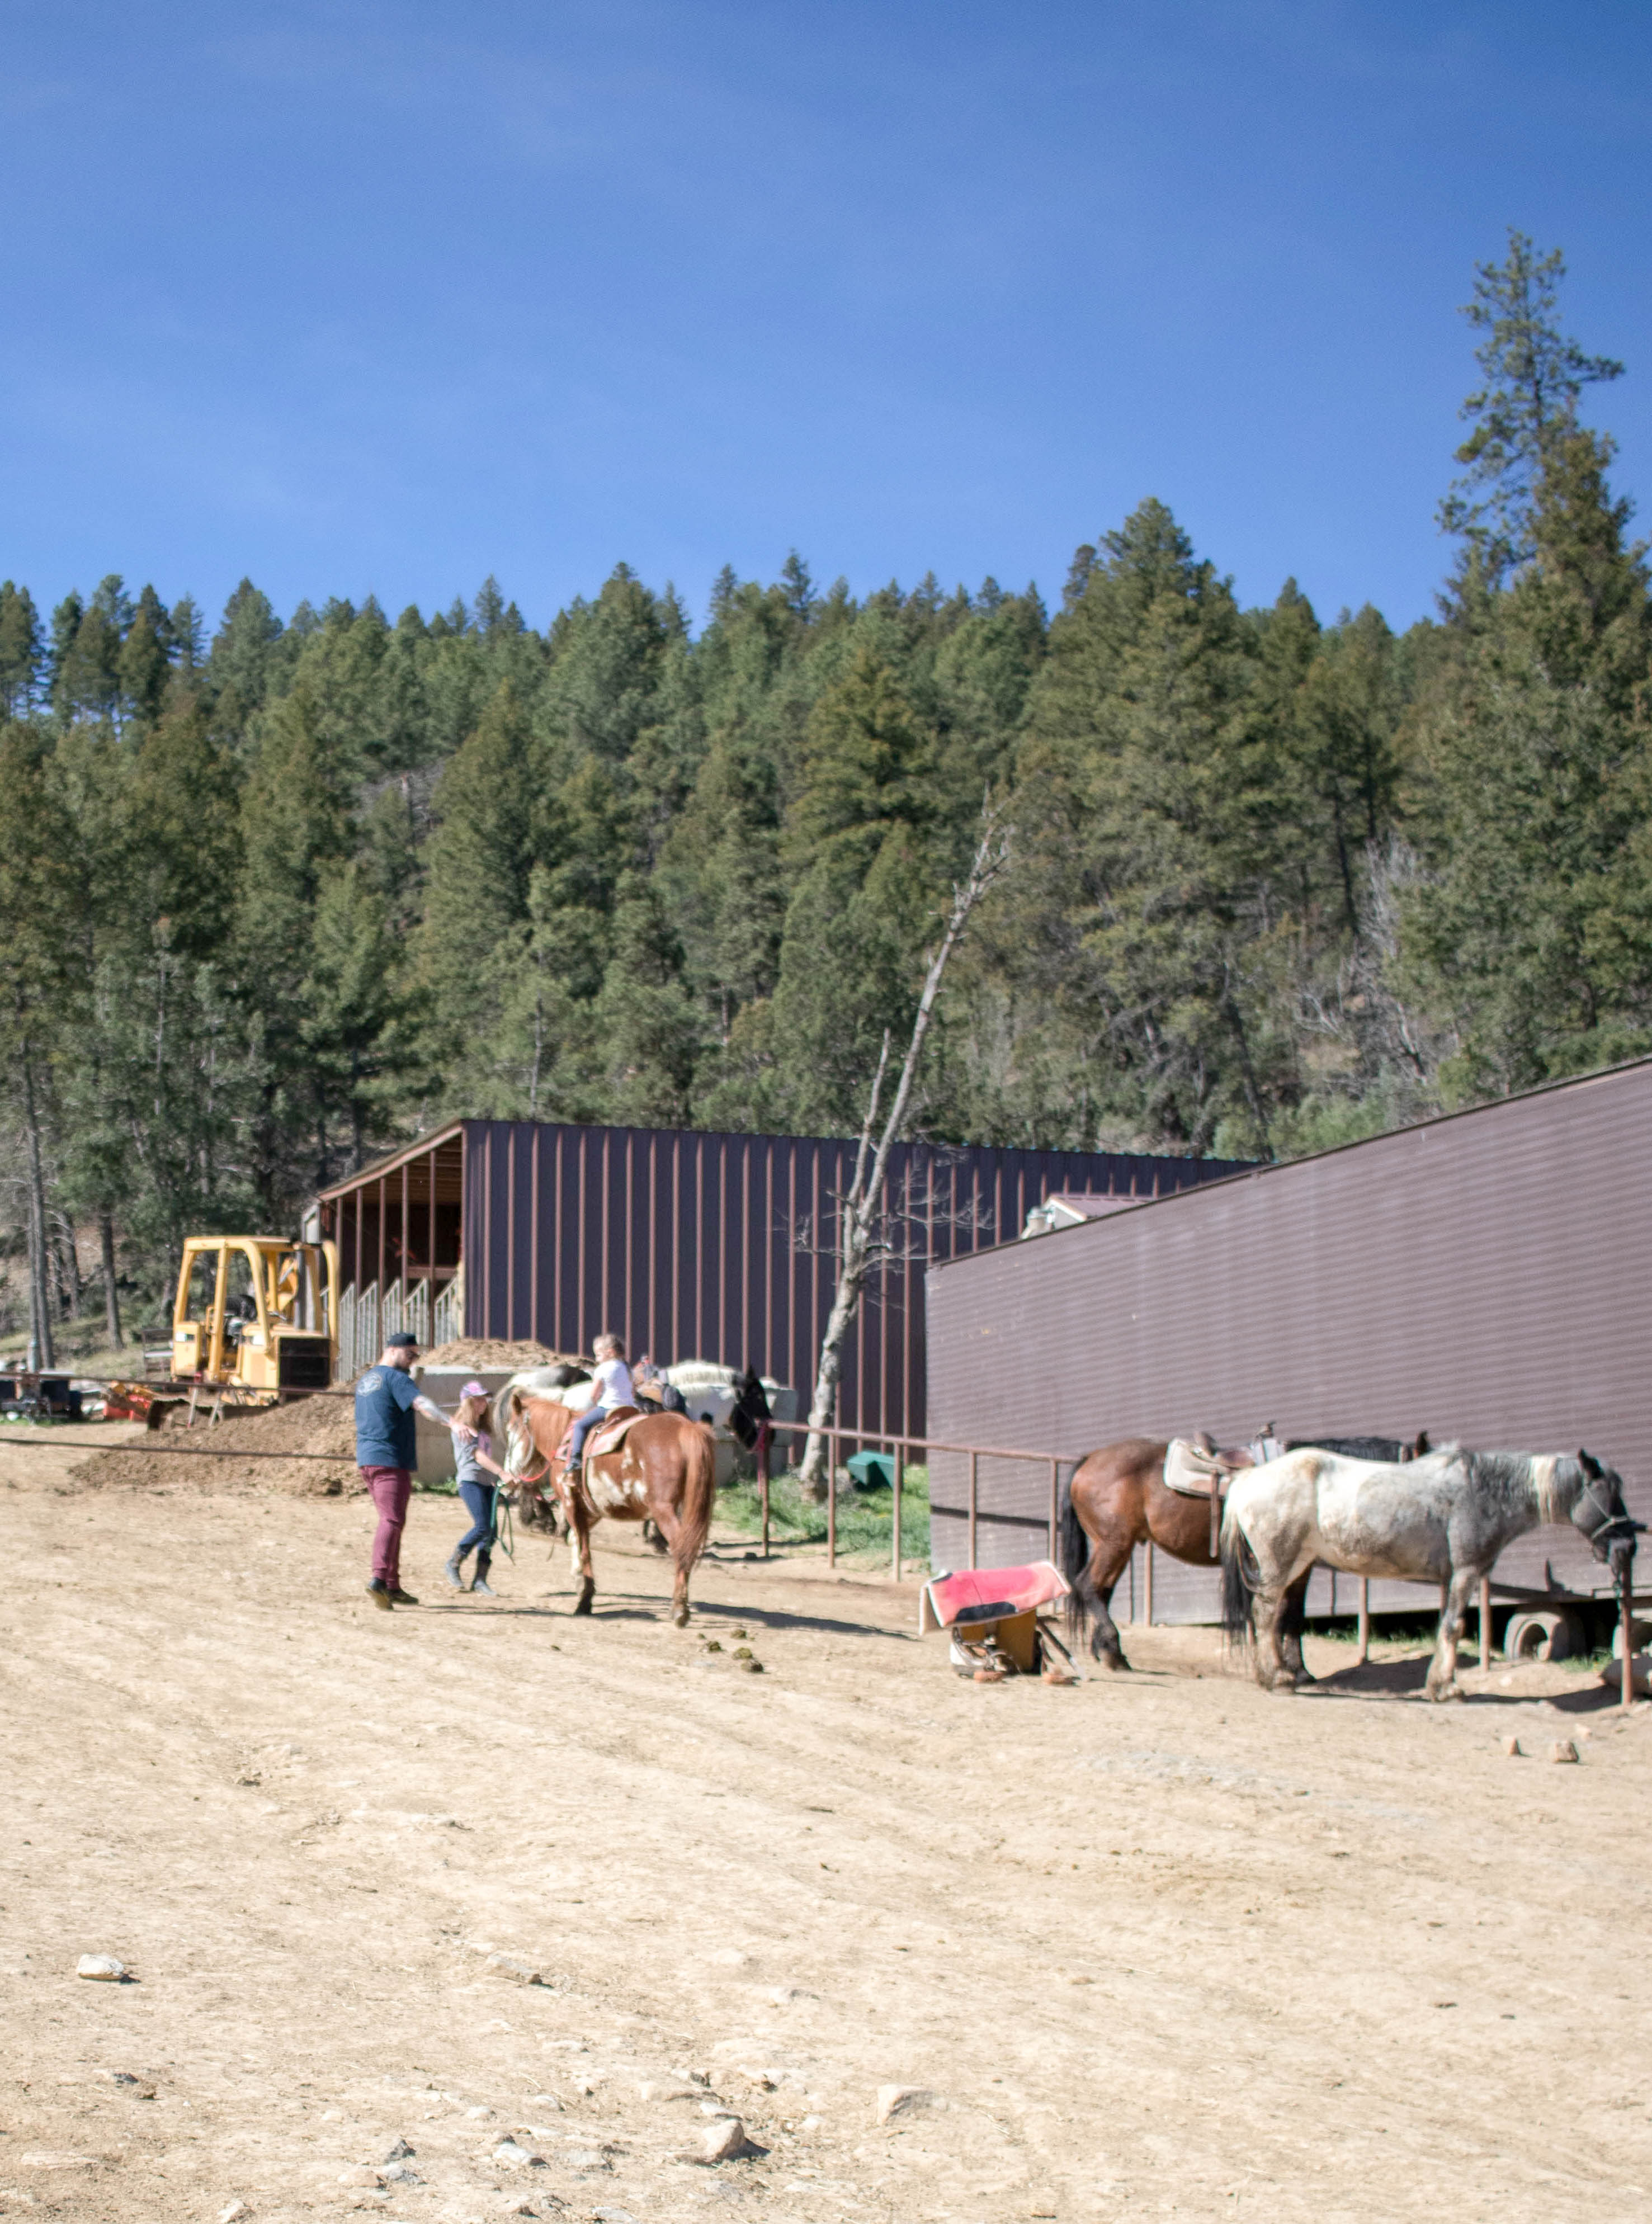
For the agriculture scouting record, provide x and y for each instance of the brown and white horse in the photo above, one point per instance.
(1118, 1499)
(664, 1472)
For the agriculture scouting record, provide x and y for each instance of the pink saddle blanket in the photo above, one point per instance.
(1014, 1590)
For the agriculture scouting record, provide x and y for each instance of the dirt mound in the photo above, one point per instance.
(310, 1427)
(493, 1354)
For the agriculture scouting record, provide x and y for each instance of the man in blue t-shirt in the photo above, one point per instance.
(386, 1453)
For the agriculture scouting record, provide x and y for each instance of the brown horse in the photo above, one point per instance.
(1118, 1499)
(664, 1472)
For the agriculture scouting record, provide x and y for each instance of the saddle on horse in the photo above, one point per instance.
(1197, 1468)
(608, 1437)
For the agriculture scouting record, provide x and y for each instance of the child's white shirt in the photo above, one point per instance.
(614, 1386)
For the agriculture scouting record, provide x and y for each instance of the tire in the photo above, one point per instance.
(1542, 1636)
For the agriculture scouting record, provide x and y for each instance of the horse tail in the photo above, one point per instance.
(1237, 1584)
(699, 1495)
(1075, 1566)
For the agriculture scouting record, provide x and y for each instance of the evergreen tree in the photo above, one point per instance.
(20, 651)
(144, 663)
(1534, 931)
(1535, 374)
(647, 1033)
(1153, 821)
(41, 975)
(243, 662)
(479, 861)
(86, 679)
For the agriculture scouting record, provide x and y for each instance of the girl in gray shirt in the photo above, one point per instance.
(474, 1457)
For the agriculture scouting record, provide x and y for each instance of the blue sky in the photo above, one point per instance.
(360, 298)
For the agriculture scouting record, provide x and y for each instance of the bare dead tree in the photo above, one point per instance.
(111, 1292)
(867, 1235)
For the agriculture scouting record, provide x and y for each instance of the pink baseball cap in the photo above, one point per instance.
(473, 1390)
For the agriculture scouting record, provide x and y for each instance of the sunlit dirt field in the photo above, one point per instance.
(1160, 1944)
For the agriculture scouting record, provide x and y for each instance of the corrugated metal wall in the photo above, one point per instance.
(685, 1242)
(1487, 1278)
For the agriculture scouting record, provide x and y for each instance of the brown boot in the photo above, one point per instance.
(379, 1594)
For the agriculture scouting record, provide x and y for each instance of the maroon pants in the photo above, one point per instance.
(389, 1488)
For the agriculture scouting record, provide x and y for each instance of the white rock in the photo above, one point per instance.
(54, 2158)
(361, 2174)
(585, 2158)
(401, 2173)
(722, 2141)
(660, 2088)
(903, 2100)
(478, 2115)
(104, 1966)
(547, 2101)
(234, 2212)
(512, 1966)
(509, 2152)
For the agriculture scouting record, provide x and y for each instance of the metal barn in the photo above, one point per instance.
(1486, 1277)
(687, 1243)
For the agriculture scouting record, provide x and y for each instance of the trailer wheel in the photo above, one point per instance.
(1540, 1636)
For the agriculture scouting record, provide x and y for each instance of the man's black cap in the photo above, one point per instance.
(403, 1340)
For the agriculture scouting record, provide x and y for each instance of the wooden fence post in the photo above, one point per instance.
(1626, 1618)
(831, 1498)
(900, 1466)
(765, 1435)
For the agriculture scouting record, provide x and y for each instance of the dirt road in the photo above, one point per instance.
(1159, 1944)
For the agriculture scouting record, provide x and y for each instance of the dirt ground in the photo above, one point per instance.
(1160, 1944)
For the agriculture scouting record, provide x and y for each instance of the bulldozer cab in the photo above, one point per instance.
(257, 1313)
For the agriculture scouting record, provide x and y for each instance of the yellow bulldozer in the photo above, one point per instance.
(254, 1315)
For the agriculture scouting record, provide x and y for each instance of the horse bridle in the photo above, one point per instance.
(1611, 1528)
(550, 1461)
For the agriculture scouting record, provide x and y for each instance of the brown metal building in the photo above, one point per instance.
(682, 1241)
(1486, 1277)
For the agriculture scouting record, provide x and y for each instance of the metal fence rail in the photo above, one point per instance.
(876, 1440)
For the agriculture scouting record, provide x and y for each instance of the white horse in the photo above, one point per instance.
(1442, 1518)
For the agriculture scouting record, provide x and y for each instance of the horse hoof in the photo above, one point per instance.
(1114, 1662)
(681, 1620)
(585, 1605)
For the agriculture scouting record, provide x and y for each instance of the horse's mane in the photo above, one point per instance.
(1516, 1472)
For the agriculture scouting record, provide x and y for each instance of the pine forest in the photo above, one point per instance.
(276, 893)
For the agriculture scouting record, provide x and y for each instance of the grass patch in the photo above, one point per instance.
(865, 1517)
